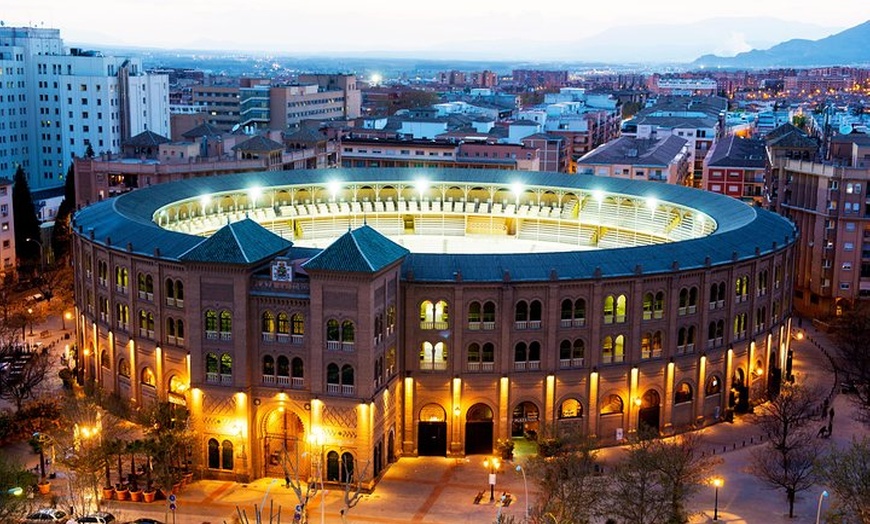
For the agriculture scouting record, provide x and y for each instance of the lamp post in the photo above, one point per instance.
(525, 489)
(41, 257)
(63, 318)
(717, 483)
(493, 464)
(30, 318)
(822, 497)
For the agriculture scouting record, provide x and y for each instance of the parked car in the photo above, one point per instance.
(145, 520)
(46, 515)
(100, 517)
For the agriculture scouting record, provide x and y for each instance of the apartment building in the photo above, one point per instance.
(737, 167)
(7, 232)
(664, 159)
(57, 102)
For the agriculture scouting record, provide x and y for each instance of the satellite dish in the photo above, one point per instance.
(236, 128)
(845, 129)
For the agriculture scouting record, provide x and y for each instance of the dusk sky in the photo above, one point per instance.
(454, 26)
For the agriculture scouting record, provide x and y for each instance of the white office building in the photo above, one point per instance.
(55, 101)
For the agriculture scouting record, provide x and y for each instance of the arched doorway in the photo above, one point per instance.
(391, 447)
(774, 376)
(650, 406)
(525, 421)
(478, 430)
(432, 431)
(283, 444)
(738, 398)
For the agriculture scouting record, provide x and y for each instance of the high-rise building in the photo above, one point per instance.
(56, 101)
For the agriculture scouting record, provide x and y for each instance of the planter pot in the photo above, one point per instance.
(136, 496)
(187, 478)
(176, 487)
(108, 493)
(44, 487)
(149, 496)
(121, 494)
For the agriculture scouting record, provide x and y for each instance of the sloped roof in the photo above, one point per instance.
(783, 130)
(145, 139)
(242, 242)
(636, 151)
(306, 135)
(259, 143)
(361, 250)
(790, 138)
(204, 129)
(733, 151)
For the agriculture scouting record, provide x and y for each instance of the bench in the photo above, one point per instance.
(478, 497)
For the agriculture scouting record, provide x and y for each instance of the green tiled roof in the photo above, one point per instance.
(242, 242)
(361, 250)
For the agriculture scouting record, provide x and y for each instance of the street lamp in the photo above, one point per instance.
(525, 488)
(41, 257)
(822, 497)
(63, 318)
(493, 464)
(30, 317)
(717, 483)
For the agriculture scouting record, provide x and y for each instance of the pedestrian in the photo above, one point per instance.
(831, 415)
(830, 427)
(286, 481)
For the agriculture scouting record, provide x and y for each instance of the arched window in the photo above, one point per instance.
(332, 466)
(170, 329)
(433, 315)
(283, 324)
(212, 363)
(521, 351)
(226, 325)
(521, 311)
(146, 286)
(347, 375)
(535, 354)
(613, 404)
(268, 323)
(391, 319)
(170, 292)
(580, 312)
(226, 364)
(105, 361)
(474, 353)
(227, 455)
(683, 393)
(298, 324)
(211, 323)
(346, 467)
(713, 386)
(620, 309)
(391, 360)
(347, 332)
(609, 305)
(570, 408)
(179, 293)
(648, 306)
(333, 376)
(613, 349)
(474, 315)
(567, 310)
(535, 312)
(433, 357)
(489, 315)
(179, 331)
(268, 365)
(283, 366)
(124, 368)
(333, 330)
(214, 454)
(147, 377)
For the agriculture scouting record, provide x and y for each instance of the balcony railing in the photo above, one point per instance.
(226, 335)
(333, 345)
(268, 337)
(488, 325)
(211, 335)
(296, 339)
(480, 367)
(568, 363)
(473, 326)
(529, 365)
(428, 365)
(433, 325)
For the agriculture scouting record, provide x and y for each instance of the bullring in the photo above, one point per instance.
(355, 316)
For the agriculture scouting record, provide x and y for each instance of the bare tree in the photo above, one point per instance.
(21, 375)
(684, 469)
(637, 479)
(352, 489)
(15, 480)
(786, 461)
(847, 473)
(853, 358)
(304, 490)
(570, 485)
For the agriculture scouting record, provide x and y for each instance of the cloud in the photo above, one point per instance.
(734, 44)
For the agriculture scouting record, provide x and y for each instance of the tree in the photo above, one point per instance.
(26, 221)
(60, 234)
(22, 382)
(683, 469)
(637, 479)
(15, 480)
(569, 483)
(786, 461)
(168, 445)
(847, 474)
(852, 359)
(352, 490)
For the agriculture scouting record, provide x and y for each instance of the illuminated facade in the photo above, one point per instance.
(360, 315)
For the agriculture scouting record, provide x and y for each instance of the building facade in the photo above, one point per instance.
(59, 102)
(356, 316)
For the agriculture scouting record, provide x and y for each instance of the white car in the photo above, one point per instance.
(46, 515)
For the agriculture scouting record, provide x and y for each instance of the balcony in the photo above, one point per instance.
(282, 338)
(529, 365)
(433, 325)
(473, 326)
(333, 345)
(433, 366)
(226, 335)
(268, 337)
(213, 378)
(568, 363)
(211, 335)
(347, 347)
(480, 367)
(521, 324)
(488, 326)
(296, 339)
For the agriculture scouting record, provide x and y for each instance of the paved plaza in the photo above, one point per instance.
(442, 490)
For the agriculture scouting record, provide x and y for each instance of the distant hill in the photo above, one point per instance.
(849, 47)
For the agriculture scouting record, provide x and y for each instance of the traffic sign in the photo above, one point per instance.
(172, 497)
(172, 506)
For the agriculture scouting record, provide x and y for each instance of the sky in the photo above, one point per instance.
(454, 27)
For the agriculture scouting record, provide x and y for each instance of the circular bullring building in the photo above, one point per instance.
(344, 318)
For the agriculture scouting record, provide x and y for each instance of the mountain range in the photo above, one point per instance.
(849, 47)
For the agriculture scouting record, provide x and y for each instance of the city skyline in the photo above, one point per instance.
(478, 30)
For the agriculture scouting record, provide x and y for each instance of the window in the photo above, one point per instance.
(612, 404)
(527, 315)
(226, 325)
(714, 386)
(433, 315)
(433, 357)
(572, 354)
(570, 408)
(211, 323)
(480, 358)
(527, 357)
(339, 380)
(573, 313)
(683, 393)
(147, 377)
(614, 309)
(613, 349)
(124, 368)
(298, 324)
